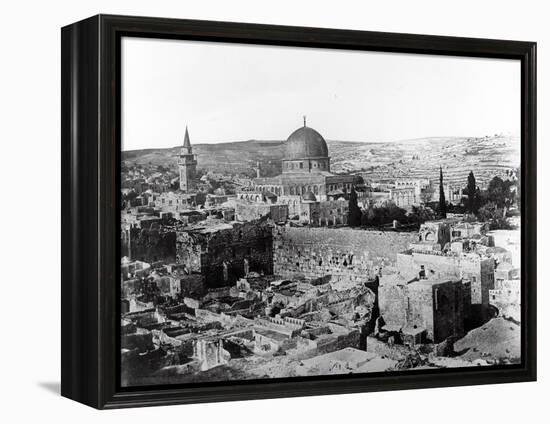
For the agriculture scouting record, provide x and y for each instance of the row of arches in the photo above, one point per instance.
(404, 198)
(254, 197)
(293, 190)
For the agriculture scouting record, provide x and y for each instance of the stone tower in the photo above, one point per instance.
(188, 165)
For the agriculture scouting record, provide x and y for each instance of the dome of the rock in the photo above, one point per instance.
(305, 143)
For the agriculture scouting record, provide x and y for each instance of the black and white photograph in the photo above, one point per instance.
(294, 212)
(275, 212)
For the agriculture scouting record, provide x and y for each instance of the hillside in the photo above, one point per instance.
(419, 158)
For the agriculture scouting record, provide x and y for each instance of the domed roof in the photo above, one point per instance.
(304, 143)
(309, 197)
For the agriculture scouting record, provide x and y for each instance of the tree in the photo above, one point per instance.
(354, 212)
(420, 214)
(442, 203)
(368, 216)
(382, 215)
(131, 195)
(358, 180)
(471, 188)
(494, 215)
(499, 192)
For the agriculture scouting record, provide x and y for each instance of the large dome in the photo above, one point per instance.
(305, 143)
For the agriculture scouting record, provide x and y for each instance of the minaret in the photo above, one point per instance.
(188, 165)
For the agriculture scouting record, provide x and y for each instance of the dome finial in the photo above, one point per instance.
(304, 120)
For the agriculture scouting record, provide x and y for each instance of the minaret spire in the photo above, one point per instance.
(186, 141)
(304, 120)
(187, 164)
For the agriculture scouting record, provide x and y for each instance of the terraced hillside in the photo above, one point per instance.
(419, 158)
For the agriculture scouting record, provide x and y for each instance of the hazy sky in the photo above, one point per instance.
(231, 92)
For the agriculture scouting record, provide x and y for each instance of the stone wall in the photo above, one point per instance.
(344, 253)
(223, 255)
(149, 244)
(254, 211)
(506, 297)
(435, 306)
(392, 301)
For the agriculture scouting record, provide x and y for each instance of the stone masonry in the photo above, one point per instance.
(224, 253)
(343, 253)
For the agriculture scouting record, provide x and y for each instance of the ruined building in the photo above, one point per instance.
(225, 252)
(150, 242)
(210, 353)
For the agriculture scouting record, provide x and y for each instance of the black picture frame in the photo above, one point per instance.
(90, 138)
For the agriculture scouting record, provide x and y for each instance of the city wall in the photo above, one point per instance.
(344, 253)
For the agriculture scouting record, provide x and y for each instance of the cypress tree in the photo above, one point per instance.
(442, 203)
(354, 211)
(471, 188)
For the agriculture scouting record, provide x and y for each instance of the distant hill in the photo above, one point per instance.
(234, 157)
(419, 158)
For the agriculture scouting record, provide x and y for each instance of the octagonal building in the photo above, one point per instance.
(306, 169)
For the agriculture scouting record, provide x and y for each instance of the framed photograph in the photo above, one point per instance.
(254, 211)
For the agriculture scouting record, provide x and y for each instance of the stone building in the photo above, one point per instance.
(175, 201)
(404, 196)
(186, 196)
(479, 270)
(509, 240)
(466, 230)
(149, 243)
(221, 252)
(506, 297)
(256, 196)
(168, 285)
(306, 168)
(418, 184)
(506, 294)
(453, 193)
(322, 213)
(135, 269)
(433, 236)
(209, 352)
(252, 211)
(435, 305)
